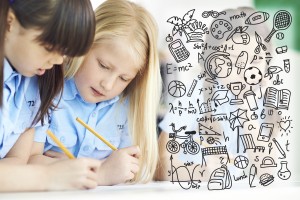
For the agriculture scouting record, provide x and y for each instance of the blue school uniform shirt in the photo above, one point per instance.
(21, 101)
(108, 118)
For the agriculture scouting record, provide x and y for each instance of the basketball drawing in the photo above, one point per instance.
(176, 89)
(252, 76)
(241, 162)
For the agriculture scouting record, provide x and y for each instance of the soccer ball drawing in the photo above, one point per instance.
(252, 76)
(176, 89)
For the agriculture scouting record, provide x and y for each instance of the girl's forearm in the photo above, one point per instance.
(41, 160)
(20, 178)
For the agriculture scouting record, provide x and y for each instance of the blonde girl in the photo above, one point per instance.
(117, 81)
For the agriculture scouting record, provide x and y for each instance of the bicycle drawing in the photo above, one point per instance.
(188, 146)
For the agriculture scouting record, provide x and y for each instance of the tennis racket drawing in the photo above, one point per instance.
(281, 21)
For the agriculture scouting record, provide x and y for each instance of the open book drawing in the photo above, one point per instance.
(277, 99)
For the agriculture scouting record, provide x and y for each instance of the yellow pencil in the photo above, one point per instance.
(61, 146)
(96, 134)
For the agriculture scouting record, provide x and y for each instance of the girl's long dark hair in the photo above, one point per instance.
(4, 5)
(68, 27)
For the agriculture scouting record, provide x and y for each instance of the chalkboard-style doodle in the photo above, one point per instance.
(265, 132)
(217, 65)
(236, 120)
(285, 124)
(219, 27)
(262, 114)
(270, 147)
(268, 57)
(220, 97)
(180, 23)
(281, 50)
(277, 81)
(212, 140)
(212, 13)
(250, 97)
(174, 147)
(272, 70)
(205, 107)
(252, 76)
(189, 145)
(203, 130)
(281, 21)
(241, 162)
(254, 116)
(241, 61)
(257, 18)
(236, 88)
(279, 148)
(259, 44)
(191, 90)
(184, 184)
(200, 57)
(251, 127)
(169, 38)
(220, 179)
(279, 36)
(287, 145)
(252, 174)
(195, 32)
(176, 88)
(266, 179)
(239, 36)
(268, 162)
(284, 173)
(257, 58)
(286, 63)
(178, 51)
(277, 99)
(260, 92)
(210, 151)
(192, 29)
(248, 143)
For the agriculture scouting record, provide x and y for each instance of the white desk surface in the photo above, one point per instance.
(168, 191)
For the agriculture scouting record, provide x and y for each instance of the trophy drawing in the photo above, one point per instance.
(236, 88)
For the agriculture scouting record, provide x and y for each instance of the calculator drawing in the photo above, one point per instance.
(178, 50)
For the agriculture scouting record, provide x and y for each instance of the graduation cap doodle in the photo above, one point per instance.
(220, 97)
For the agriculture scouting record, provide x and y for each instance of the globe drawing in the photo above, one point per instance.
(176, 89)
(217, 65)
(221, 66)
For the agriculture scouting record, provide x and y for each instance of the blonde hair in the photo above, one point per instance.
(131, 22)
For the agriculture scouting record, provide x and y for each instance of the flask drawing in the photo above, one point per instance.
(284, 173)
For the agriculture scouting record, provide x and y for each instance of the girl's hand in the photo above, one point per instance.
(72, 174)
(120, 167)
